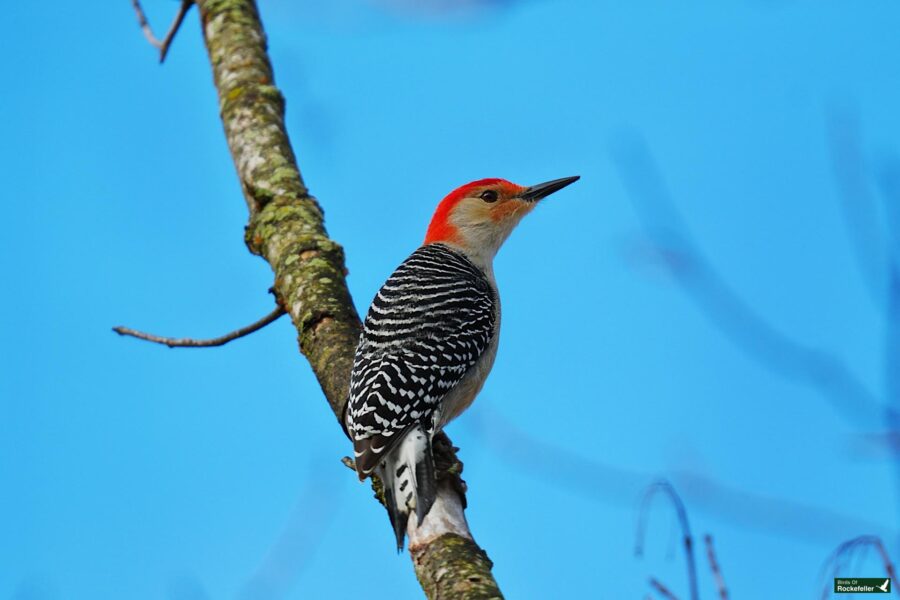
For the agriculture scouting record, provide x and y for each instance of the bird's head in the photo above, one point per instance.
(479, 216)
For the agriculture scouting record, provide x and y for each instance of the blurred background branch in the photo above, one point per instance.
(719, 303)
(601, 482)
(662, 589)
(841, 562)
(664, 488)
(714, 567)
(854, 191)
(302, 535)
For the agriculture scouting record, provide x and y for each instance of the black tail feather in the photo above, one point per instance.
(407, 475)
(426, 487)
(398, 519)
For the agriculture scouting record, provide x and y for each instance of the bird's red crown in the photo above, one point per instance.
(441, 229)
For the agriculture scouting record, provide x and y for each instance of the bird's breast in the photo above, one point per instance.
(463, 394)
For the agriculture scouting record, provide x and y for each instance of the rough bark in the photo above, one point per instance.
(454, 566)
(286, 228)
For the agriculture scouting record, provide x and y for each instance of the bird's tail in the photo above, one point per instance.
(408, 477)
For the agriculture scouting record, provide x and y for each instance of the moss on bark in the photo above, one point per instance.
(286, 224)
(286, 228)
(454, 567)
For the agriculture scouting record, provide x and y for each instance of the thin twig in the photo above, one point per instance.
(161, 45)
(839, 560)
(666, 489)
(715, 568)
(145, 25)
(192, 343)
(661, 589)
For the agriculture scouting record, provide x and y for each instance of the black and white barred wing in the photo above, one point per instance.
(427, 326)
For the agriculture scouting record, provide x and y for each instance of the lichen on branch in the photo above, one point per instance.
(454, 567)
(286, 228)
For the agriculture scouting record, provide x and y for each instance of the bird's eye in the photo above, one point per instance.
(488, 196)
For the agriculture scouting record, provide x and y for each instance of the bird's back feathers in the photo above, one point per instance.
(428, 326)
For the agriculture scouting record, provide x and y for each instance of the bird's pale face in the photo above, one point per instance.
(487, 215)
(479, 216)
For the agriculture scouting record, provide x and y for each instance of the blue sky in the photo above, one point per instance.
(130, 470)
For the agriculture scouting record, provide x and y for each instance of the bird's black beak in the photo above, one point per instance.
(542, 190)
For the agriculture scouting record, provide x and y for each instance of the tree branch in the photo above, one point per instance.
(192, 343)
(163, 44)
(286, 229)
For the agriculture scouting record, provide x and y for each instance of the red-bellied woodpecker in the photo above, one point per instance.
(429, 341)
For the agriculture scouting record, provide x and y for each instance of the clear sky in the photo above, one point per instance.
(129, 470)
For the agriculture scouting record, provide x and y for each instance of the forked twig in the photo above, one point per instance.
(163, 44)
(192, 343)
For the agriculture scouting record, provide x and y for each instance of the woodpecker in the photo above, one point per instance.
(429, 341)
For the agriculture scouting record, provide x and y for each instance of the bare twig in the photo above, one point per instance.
(725, 308)
(661, 589)
(192, 343)
(163, 44)
(840, 559)
(715, 568)
(665, 488)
